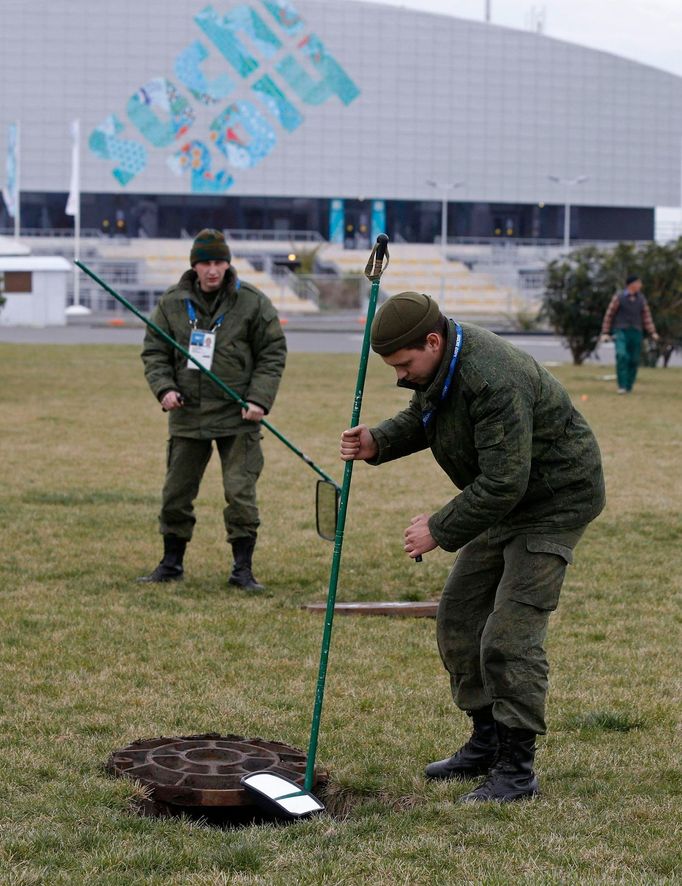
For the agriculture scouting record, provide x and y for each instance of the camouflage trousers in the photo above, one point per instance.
(241, 458)
(492, 623)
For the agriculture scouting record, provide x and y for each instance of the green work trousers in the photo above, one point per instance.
(492, 623)
(628, 352)
(241, 458)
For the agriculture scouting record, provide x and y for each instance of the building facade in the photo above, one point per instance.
(336, 116)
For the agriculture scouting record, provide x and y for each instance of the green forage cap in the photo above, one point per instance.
(402, 319)
(209, 245)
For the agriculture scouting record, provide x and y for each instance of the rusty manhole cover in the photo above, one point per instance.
(202, 772)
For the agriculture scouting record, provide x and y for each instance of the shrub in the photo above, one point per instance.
(580, 286)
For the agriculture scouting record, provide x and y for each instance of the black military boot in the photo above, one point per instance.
(511, 776)
(476, 756)
(170, 567)
(242, 575)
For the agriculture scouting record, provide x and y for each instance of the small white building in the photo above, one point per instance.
(35, 290)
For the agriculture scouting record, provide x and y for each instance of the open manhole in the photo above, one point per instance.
(199, 775)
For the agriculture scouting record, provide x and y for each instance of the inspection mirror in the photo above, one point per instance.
(281, 796)
(326, 509)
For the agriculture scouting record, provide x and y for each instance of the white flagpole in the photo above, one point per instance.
(73, 207)
(17, 154)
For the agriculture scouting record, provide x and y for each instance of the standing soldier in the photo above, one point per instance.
(628, 312)
(506, 433)
(232, 328)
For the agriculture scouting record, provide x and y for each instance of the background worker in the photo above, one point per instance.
(506, 433)
(232, 328)
(627, 314)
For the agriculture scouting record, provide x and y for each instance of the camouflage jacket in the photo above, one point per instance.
(249, 356)
(508, 436)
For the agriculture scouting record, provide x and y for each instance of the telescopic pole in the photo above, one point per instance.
(214, 378)
(373, 272)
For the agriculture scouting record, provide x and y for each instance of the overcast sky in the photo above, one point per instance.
(649, 31)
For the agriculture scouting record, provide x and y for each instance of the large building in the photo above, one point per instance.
(335, 116)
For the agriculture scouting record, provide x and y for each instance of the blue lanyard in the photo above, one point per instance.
(427, 416)
(193, 316)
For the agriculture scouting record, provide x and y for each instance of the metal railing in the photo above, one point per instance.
(65, 233)
(284, 236)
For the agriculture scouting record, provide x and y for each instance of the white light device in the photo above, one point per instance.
(281, 796)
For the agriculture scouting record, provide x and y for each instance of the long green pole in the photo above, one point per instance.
(214, 378)
(373, 272)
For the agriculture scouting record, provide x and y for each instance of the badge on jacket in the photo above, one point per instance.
(201, 347)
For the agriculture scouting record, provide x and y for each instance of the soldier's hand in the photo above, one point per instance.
(357, 444)
(253, 413)
(418, 538)
(656, 337)
(604, 338)
(172, 400)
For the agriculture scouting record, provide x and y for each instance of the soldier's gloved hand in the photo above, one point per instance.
(253, 413)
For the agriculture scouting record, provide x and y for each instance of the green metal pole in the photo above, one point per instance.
(214, 378)
(373, 272)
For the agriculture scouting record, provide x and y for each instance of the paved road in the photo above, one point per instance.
(333, 338)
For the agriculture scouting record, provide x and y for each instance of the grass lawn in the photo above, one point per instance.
(91, 661)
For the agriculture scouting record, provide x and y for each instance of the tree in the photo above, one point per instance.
(580, 286)
(577, 292)
(661, 271)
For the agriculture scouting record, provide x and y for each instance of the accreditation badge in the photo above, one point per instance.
(201, 347)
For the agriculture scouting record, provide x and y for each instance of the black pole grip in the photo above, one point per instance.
(382, 246)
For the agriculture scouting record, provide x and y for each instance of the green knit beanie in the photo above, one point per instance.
(209, 245)
(402, 319)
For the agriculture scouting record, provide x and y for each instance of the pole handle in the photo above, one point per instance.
(375, 265)
(382, 246)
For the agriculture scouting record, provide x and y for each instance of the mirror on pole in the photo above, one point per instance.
(326, 509)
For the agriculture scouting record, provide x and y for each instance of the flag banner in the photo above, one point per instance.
(73, 202)
(10, 193)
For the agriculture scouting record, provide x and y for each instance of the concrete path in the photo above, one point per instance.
(338, 334)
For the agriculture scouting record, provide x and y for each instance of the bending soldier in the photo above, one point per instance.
(505, 432)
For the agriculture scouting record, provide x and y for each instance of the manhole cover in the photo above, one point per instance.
(203, 771)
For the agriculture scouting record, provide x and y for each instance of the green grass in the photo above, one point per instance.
(90, 661)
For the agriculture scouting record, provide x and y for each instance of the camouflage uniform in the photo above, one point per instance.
(249, 357)
(530, 472)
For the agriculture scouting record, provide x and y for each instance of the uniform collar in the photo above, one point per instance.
(432, 391)
(224, 298)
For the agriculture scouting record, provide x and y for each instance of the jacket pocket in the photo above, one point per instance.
(488, 435)
(188, 381)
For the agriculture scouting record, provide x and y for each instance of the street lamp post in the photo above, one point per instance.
(568, 184)
(444, 188)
